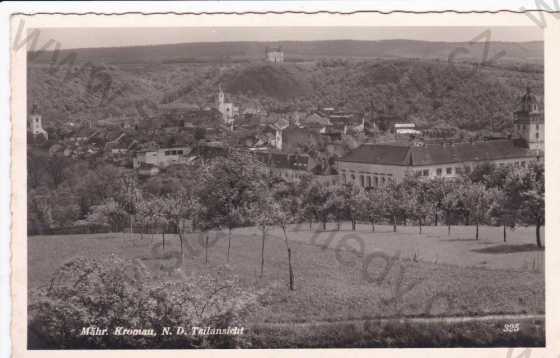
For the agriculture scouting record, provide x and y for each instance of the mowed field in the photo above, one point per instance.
(340, 276)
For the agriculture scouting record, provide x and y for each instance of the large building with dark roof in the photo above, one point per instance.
(376, 164)
(373, 165)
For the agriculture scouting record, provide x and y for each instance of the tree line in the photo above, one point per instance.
(236, 190)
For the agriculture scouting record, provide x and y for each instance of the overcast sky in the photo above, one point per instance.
(111, 37)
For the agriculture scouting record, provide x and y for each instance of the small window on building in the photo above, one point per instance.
(344, 178)
(438, 171)
(382, 180)
(537, 135)
(467, 169)
(523, 164)
(353, 177)
(376, 181)
(368, 181)
(362, 181)
(449, 170)
(426, 172)
(458, 170)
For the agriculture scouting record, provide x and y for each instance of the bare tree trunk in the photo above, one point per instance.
(353, 224)
(538, 232)
(180, 239)
(324, 226)
(504, 232)
(229, 243)
(290, 268)
(206, 248)
(435, 216)
(394, 223)
(338, 225)
(130, 219)
(448, 229)
(420, 226)
(163, 238)
(262, 249)
(477, 229)
(372, 226)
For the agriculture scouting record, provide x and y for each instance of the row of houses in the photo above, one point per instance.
(375, 164)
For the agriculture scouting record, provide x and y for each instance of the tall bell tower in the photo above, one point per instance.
(36, 122)
(528, 120)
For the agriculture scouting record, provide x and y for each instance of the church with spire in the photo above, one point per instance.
(228, 110)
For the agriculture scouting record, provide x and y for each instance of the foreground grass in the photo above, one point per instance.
(335, 285)
(332, 284)
(401, 334)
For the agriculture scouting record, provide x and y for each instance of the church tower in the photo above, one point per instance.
(221, 97)
(36, 122)
(528, 120)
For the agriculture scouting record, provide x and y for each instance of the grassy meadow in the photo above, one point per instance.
(337, 280)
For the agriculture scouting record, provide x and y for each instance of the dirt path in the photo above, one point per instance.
(512, 318)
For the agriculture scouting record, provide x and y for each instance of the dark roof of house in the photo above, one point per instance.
(433, 154)
(378, 154)
(283, 160)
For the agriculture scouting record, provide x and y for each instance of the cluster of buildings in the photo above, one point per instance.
(295, 144)
(372, 165)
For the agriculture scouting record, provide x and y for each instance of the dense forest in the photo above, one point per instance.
(429, 92)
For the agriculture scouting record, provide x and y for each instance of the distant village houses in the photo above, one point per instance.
(161, 157)
(274, 55)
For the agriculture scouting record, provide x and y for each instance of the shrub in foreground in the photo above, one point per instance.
(113, 293)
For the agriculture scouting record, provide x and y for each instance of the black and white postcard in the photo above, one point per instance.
(190, 182)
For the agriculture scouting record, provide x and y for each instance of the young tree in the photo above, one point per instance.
(325, 210)
(420, 205)
(532, 198)
(337, 204)
(507, 201)
(226, 190)
(353, 197)
(305, 211)
(317, 203)
(394, 199)
(178, 208)
(436, 191)
(149, 211)
(415, 199)
(128, 195)
(476, 200)
(450, 204)
(373, 206)
(108, 213)
(263, 212)
(284, 210)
